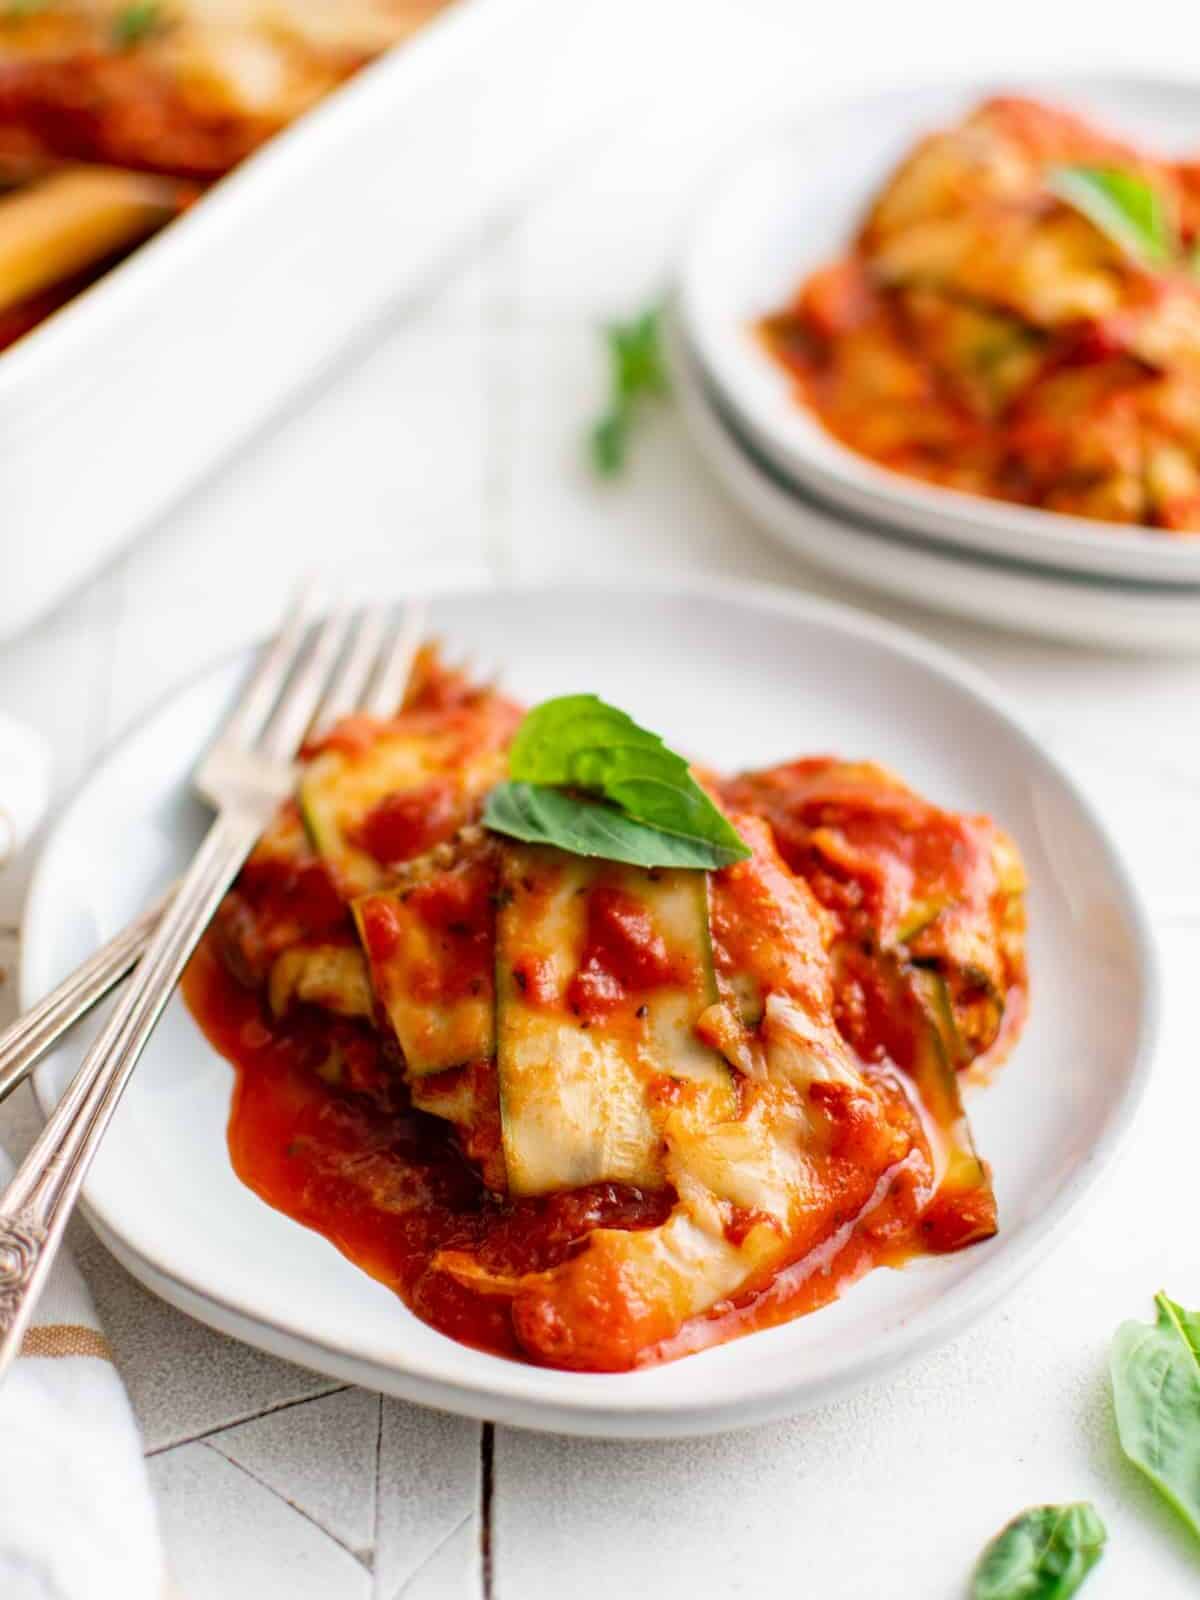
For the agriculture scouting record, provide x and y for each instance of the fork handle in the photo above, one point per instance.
(25, 1042)
(36, 1204)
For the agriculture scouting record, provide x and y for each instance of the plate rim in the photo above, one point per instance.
(1137, 618)
(819, 463)
(509, 1394)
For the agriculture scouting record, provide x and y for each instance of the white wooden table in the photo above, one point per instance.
(454, 444)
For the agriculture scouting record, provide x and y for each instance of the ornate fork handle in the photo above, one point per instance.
(23, 1044)
(35, 1206)
(21, 1238)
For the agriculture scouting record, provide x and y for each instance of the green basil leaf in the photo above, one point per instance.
(579, 742)
(610, 442)
(137, 21)
(1044, 1554)
(1131, 211)
(1156, 1395)
(637, 371)
(538, 815)
(635, 351)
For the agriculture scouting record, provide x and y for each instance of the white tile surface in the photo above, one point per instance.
(229, 1535)
(453, 439)
(662, 515)
(184, 1380)
(321, 1458)
(428, 1497)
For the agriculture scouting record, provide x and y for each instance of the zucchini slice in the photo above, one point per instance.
(966, 1197)
(332, 976)
(748, 997)
(918, 915)
(341, 788)
(430, 953)
(576, 1081)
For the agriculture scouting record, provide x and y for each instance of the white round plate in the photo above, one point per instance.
(741, 676)
(792, 203)
(984, 588)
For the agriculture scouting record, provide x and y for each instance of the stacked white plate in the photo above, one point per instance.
(792, 203)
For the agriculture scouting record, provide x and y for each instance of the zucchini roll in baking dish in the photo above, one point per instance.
(581, 1110)
(132, 90)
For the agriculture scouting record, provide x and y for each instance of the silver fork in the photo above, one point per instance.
(245, 774)
(371, 681)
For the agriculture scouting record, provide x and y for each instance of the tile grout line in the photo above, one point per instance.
(207, 1444)
(251, 1416)
(428, 1560)
(487, 1484)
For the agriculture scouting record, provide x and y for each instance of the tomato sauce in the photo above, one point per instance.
(390, 1188)
(866, 845)
(383, 1182)
(323, 1127)
(403, 826)
(624, 955)
(881, 1235)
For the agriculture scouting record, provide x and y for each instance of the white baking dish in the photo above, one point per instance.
(128, 395)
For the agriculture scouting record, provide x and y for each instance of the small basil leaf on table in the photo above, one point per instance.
(579, 742)
(1156, 1395)
(538, 815)
(1044, 1554)
(1123, 205)
(636, 370)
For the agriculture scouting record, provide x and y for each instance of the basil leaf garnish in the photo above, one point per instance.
(1130, 210)
(1044, 1554)
(539, 815)
(579, 742)
(136, 22)
(1156, 1394)
(637, 371)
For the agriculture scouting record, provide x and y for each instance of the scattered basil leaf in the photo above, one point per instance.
(1044, 1554)
(610, 441)
(136, 22)
(538, 815)
(1130, 210)
(1156, 1395)
(579, 742)
(636, 371)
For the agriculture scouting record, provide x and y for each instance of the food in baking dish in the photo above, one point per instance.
(115, 114)
(1019, 317)
(593, 1114)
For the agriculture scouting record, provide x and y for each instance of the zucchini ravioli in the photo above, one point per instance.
(595, 1115)
(1018, 317)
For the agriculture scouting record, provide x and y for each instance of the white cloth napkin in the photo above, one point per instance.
(76, 1518)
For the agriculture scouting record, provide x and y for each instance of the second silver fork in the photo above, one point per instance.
(371, 679)
(245, 775)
